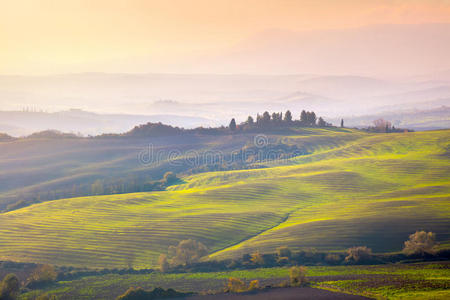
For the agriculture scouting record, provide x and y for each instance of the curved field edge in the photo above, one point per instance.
(372, 190)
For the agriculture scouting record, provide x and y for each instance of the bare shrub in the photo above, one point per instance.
(254, 285)
(358, 254)
(297, 276)
(42, 275)
(284, 252)
(332, 258)
(46, 297)
(235, 285)
(257, 258)
(163, 263)
(9, 287)
(187, 252)
(420, 243)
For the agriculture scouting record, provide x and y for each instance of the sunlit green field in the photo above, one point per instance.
(397, 281)
(354, 189)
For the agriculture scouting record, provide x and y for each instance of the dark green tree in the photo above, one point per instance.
(277, 118)
(304, 118)
(274, 117)
(250, 120)
(265, 120)
(342, 123)
(232, 125)
(311, 118)
(288, 116)
(258, 119)
(321, 122)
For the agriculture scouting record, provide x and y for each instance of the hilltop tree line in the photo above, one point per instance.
(384, 126)
(265, 121)
(278, 120)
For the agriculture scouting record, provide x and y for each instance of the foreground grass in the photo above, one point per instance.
(414, 281)
(361, 189)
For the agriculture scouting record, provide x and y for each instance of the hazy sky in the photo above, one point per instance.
(60, 36)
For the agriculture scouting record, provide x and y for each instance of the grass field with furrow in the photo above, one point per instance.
(353, 188)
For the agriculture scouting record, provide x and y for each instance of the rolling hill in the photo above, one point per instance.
(353, 188)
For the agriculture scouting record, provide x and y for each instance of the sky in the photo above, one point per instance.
(69, 36)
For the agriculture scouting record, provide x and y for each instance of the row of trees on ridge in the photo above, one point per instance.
(267, 120)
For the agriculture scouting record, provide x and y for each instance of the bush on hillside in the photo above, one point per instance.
(284, 252)
(253, 285)
(157, 293)
(333, 258)
(42, 276)
(358, 254)
(163, 263)
(186, 252)
(297, 276)
(257, 258)
(421, 243)
(9, 287)
(235, 285)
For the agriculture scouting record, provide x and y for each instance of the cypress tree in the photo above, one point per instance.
(232, 125)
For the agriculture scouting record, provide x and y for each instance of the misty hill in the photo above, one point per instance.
(20, 123)
(416, 119)
(129, 99)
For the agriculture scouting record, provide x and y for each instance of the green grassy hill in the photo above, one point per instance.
(354, 189)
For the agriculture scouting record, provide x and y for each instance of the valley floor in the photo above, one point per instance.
(305, 293)
(394, 281)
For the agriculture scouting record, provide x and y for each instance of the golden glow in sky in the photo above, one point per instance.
(43, 36)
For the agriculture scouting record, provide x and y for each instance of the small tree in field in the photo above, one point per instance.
(257, 258)
(321, 122)
(42, 275)
(233, 125)
(357, 254)
(288, 116)
(420, 243)
(187, 252)
(284, 251)
(163, 263)
(297, 276)
(332, 258)
(235, 285)
(254, 285)
(9, 287)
